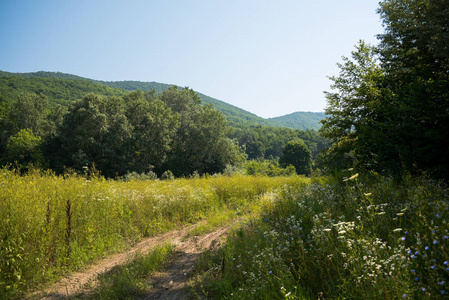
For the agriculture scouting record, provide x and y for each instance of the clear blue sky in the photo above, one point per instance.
(268, 57)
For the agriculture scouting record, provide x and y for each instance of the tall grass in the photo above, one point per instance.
(54, 224)
(368, 238)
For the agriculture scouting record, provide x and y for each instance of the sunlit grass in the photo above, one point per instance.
(52, 224)
(364, 238)
(130, 281)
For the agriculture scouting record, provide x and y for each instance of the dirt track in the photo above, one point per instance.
(171, 283)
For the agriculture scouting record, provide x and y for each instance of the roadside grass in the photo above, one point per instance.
(53, 225)
(361, 238)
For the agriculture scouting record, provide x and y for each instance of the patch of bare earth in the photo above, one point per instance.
(171, 283)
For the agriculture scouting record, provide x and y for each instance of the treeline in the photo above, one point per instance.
(165, 134)
(139, 132)
(389, 110)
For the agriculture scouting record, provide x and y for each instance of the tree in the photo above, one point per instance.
(95, 131)
(297, 154)
(201, 142)
(154, 128)
(353, 122)
(24, 148)
(30, 111)
(414, 52)
(390, 112)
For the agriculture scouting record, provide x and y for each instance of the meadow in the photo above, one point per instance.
(343, 237)
(51, 225)
(353, 237)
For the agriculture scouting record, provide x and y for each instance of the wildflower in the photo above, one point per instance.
(435, 242)
(403, 238)
(404, 296)
(413, 271)
(423, 289)
(406, 232)
(270, 272)
(426, 248)
(354, 176)
(416, 279)
(432, 267)
(445, 263)
(416, 253)
(441, 283)
(437, 215)
(443, 292)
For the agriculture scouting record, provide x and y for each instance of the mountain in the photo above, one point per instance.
(300, 120)
(63, 88)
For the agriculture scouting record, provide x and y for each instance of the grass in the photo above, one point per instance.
(51, 225)
(361, 238)
(131, 280)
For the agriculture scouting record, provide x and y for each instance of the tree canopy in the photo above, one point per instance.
(390, 108)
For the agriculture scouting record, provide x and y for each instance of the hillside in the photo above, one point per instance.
(64, 88)
(300, 120)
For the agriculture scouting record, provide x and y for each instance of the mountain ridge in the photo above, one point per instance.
(236, 116)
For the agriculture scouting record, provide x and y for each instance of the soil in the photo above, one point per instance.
(171, 283)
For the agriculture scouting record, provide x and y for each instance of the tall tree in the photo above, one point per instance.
(415, 53)
(154, 128)
(30, 111)
(297, 154)
(391, 108)
(96, 132)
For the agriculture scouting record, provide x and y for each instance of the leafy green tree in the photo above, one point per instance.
(353, 122)
(30, 111)
(297, 154)
(201, 143)
(414, 52)
(24, 148)
(154, 128)
(95, 131)
(390, 112)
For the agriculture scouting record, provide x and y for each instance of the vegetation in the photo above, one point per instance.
(390, 110)
(300, 120)
(361, 238)
(53, 224)
(376, 227)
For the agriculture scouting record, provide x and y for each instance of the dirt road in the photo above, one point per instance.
(171, 283)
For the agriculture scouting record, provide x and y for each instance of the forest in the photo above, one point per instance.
(70, 123)
(356, 210)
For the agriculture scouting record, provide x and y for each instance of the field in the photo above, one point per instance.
(357, 237)
(51, 225)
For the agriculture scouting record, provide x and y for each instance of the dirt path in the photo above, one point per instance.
(169, 284)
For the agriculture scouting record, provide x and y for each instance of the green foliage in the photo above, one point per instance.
(30, 112)
(363, 238)
(269, 168)
(58, 91)
(24, 148)
(391, 110)
(296, 154)
(300, 120)
(96, 132)
(51, 224)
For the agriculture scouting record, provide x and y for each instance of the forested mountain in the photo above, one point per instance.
(74, 87)
(300, 120)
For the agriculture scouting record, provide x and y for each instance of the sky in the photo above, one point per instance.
(269, 57)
